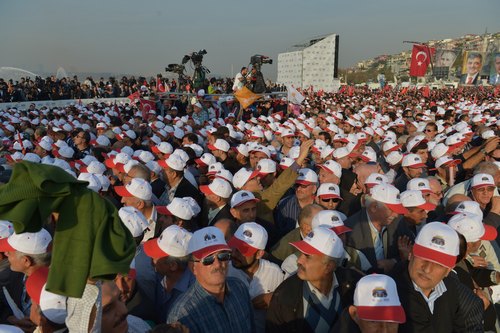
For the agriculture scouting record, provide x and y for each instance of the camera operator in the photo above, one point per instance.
(240, 79)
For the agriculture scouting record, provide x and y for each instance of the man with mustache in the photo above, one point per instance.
(215, 302)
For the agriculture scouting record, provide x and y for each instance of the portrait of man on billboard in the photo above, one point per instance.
(495, 69)
(444, 58)
(473, 63)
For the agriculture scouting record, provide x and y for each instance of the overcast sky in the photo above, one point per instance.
(142, 37)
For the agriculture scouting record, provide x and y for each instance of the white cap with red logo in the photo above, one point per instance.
(27, 242)
(249, 238)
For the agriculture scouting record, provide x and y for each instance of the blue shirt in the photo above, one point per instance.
(165, 300)
(201, 312)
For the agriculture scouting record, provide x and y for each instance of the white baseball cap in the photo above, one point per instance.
(120, 158)
(472, 227)
(469, 207)
(332, 167)
(482, 180)
(415, 141)
(134, 220)
(219, 144)
(446, 161)
(394, 157)
(391, 145)
(174, 162)
(206, 159)
(173, 241)
(243, 175)
(53, 306)
(179, 207)
(206, 241)
(266, 166)
(249, 238)
(389, 195)
(27, 242)
(219, 187)
(375, 179)
(6, 229)
(328, 191)
(413, 161)
(94, 183)
(94, 167)
(286, 162)
(163, 147)
(242, 149)
(306, 177)
(439, 150)
(419, 184)
(330, 219)
(241, 197)
(439, 243)
(137, 187)
(321, 241)
(214, 168)
(376, 299)
(414, 198)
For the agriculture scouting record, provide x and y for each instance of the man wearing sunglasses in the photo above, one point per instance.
(214, 302)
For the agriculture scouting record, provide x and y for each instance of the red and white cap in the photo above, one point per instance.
(219, 144)
(330, 219)
(472, 227)
(219, 187)
(266, 166)
(375, 179)
(287, 132)
(306, 177)
(286, 162)
(469, 207)
(174, 162)
(413, 161)
(163, 147)
(446, 161)
(214, 168)
(179, 207)
(27, 242)
(414, 198)
(243, 175)
(328, 191)
(419, 184)
(369, 155)
(394, 157)
(332, 167)
(440, 150)
(94, 167)
(249, 238)
(439, 243)
(173, 241)
(321, 241)
(390, 145)
(415, 141)
(120, 158)
(46, 143)
(6, 229)
(389, 195)
(482, 180)
(137, 187)
(376, 299)
(206, 159)
(207, 241)
(343, 152)
(242, 149)
(53, 306)
(241, 197)
(65, 151)
(134, 220)
(224, 174)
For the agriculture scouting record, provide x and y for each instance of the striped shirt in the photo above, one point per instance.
(201, 312)
(439, 290)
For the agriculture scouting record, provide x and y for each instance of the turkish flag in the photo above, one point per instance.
(146, 106)
(420, 59)
(134, 96)
(159, 85)
(350, 90)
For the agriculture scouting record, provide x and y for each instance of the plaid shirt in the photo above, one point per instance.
(201, 312)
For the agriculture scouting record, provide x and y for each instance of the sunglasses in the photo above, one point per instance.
(331, 200)
(209, 260)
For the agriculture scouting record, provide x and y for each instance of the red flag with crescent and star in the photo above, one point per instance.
(146, 106)
(420, 58)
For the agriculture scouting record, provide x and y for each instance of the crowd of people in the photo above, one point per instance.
(359, 211)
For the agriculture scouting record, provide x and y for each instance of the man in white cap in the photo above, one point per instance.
(312, 299)
(217, 195)
(418, 209)
(376, 228)
(376, 307)
(220, 149)
(260, 276)
(214, 301)
(436, 302)
(413, 167)
(170, 259)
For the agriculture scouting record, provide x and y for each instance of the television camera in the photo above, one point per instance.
(200, 71)
(255, 79)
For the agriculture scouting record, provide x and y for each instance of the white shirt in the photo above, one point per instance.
(237, 85)
(150, 231)
(265, 280)
(325, 300)
(439, 290)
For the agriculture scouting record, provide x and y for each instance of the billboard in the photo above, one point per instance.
(494, 69)
(318, 64)
(444, 58)
(472, 67)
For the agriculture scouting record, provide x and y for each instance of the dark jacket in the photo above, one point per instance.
(286, 310)
(457, 310)
(13, 282)
(186, 189)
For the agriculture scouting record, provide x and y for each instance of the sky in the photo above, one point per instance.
(143, 37)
